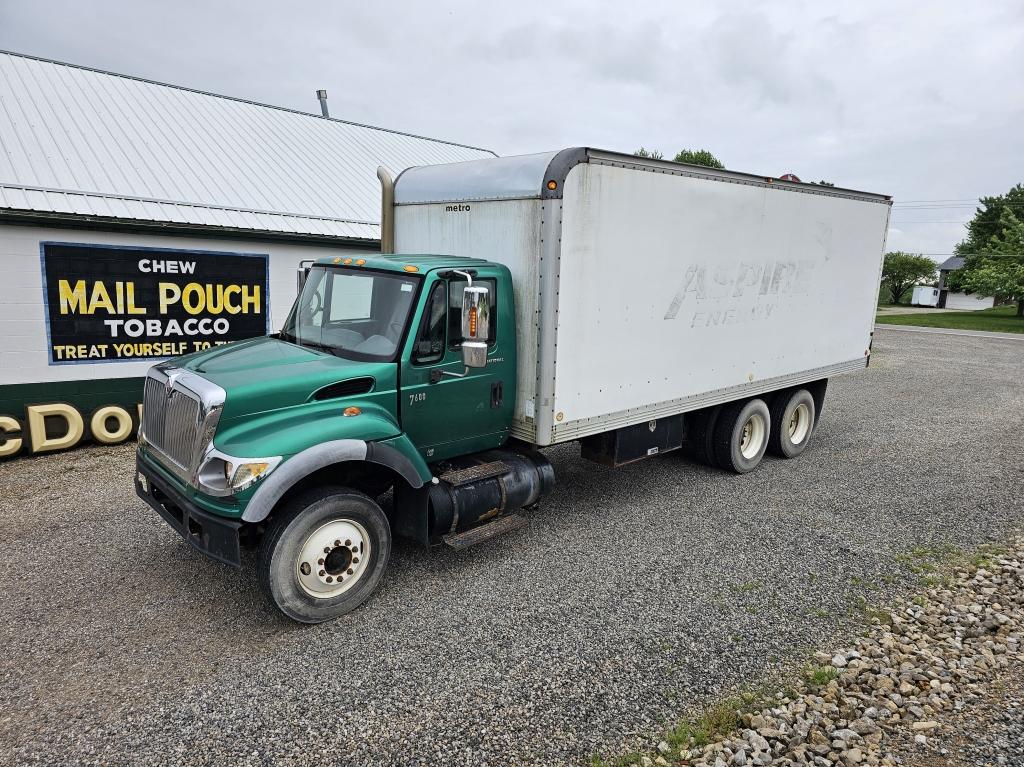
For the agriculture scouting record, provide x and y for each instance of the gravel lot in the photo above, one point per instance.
(633, 594)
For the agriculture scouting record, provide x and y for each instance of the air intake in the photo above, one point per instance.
(347, 388)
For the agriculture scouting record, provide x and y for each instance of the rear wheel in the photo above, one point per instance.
(324, 554)
(700, 435)
(793, 417)
(741, 435)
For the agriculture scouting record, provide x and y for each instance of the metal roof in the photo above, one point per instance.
(81, 142)
(951, 264)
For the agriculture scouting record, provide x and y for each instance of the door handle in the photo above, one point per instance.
(497, 394)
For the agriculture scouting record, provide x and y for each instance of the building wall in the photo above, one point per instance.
(968, 301)
(29, 377)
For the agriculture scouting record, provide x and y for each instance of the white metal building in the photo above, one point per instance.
(108, 181)
(951, 299)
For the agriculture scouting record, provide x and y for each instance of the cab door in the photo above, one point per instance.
(450, 415)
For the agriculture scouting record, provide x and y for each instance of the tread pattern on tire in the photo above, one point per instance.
(700, 439)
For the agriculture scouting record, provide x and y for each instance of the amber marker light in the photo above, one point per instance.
(410, 268)
(337, 260)
(347, 261)
(552, 185)
(350, 411)
(472, 321)
(360, 262)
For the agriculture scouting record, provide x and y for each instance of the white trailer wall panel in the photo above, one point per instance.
(970, 302)
(690, 286)
(646, 288)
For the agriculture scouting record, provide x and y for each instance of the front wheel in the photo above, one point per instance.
(324, 554)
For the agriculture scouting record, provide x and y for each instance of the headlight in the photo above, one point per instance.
(222, 474)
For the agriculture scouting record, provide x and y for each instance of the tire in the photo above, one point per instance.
(741, 435)
(700, 431)
(793, 418)
(303, 572)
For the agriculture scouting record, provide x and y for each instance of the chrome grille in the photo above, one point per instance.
(170, 421)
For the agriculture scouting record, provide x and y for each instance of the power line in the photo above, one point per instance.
(959, 205)
(944, 199)
(971, 200)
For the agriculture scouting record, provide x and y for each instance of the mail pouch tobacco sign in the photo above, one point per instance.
(107, 303)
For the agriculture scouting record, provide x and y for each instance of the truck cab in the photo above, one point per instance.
(391, 373)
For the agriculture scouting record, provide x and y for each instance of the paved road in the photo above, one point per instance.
(952, 332)
(883, 310)
(633, 594)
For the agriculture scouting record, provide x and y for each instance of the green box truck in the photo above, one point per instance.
(634, 306)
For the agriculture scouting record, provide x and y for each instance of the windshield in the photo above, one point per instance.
(351, 313)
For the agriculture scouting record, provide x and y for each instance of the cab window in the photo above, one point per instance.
(430, 339)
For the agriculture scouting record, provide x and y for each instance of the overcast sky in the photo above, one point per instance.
(921, 100)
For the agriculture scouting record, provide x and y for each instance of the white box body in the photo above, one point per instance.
(647, 288)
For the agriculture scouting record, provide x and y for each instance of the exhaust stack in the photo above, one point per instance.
(387, 210)
(322, 95)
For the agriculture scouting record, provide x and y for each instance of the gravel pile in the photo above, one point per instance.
(634, 594)
(924, 664)
(987, 732)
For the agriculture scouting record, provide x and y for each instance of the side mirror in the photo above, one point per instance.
(476, 319)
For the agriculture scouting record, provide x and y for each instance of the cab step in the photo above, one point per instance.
(477, 473)
(485, 532)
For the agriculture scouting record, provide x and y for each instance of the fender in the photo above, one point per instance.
(317, 457)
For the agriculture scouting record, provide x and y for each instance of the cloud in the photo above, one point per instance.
(915, 100)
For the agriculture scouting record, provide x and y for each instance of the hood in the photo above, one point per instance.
(268, 374)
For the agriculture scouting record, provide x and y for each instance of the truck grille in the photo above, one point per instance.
(170, 421)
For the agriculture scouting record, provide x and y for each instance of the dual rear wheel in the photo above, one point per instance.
(736, 436)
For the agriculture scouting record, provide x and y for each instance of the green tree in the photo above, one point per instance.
(993, 250)
(698, 157)
(901, 271)
(986, 223)
(654, 154)
(996, 268)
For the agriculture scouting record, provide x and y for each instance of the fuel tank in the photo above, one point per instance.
(476, 488)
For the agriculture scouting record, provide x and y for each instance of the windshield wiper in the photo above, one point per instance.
(306, 344)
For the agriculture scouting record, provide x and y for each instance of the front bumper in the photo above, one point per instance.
(209, 534)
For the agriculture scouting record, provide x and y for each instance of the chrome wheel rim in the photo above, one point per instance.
(799, 425)
(752, 439)
(333, 558)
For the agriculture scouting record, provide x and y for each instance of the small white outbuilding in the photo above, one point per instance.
(925, 295)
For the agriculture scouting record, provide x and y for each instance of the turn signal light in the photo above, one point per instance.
(351, 411)
(472, 321)
(552, 185)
